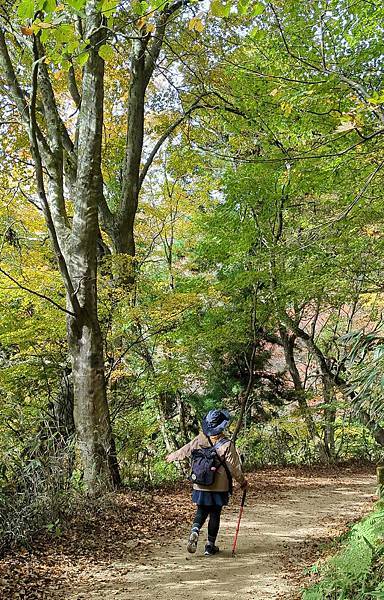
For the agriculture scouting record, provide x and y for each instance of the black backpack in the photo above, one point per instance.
(205, 462)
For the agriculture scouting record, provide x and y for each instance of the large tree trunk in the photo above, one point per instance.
(91, 412)
(57, 157)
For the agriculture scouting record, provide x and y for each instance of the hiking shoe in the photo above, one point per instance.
(192, 542)
(210, 550)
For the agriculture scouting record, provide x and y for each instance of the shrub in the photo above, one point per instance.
(40, 493)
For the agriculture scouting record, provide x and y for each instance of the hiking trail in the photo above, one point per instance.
(285, 523)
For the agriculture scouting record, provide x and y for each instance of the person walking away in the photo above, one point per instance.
(210, 499)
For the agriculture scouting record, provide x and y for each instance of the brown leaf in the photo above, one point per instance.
(26, 30)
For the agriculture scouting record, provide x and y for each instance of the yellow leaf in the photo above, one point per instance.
(199, 25)
(286, 108)
(59, 7)
(196, 24)
(141, 22)
(151, 27)
(45, 25)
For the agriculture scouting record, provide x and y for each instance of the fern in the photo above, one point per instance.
(356, 572)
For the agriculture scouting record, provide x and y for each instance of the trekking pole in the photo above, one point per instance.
(238, 521)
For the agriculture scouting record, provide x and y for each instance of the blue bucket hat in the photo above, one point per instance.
(215, 421)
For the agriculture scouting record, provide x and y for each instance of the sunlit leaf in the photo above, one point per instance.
(106, 52)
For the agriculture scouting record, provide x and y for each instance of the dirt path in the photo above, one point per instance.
(280, 535)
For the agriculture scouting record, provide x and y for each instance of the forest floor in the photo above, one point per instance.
(133, 545)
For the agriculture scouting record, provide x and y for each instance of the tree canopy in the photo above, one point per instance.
(191, 215)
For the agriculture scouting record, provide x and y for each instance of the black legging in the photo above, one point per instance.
(214, 513)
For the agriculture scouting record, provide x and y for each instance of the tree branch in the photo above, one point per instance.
(16, 91)
(164, 137)
(154, 49)
(354, 85)
(40, 184)
(56, 128)
(30, 291)
(89, 182)
(72, 86)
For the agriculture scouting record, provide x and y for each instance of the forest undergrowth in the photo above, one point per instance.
(356, 571)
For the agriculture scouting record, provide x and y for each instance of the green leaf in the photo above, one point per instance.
(45, 35)
(138, 9)
(49, 6)
(106, 52)
(72, 46)
(76, 4)
(82, 58)
(242, 7)
(255, 33)
(108, 7)
(257, 9)
(26, 9)
(66, 65)
(65, 34)
(220, 9)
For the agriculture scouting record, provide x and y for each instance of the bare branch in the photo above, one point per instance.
(158, 38)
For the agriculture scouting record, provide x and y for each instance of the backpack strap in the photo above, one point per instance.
(223, 461)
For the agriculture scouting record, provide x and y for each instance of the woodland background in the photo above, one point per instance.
(191, 215)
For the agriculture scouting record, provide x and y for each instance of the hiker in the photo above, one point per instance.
(211, 498)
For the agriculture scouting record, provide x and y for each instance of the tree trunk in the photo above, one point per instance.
(182, 420)
(62, 407)
(247, 392)
(288, 345)
(91, 412)
(329, 419)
